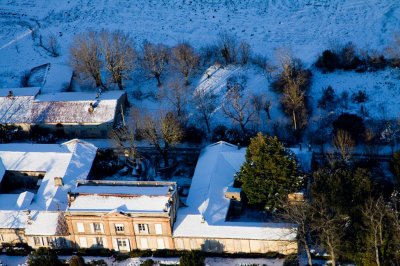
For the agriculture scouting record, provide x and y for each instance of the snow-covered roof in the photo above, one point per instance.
(63, 107)
(16, 109)
(17, 92)
(71, 161)
(13, 219)
(44, 224)
(207, 208)
(57, 77)
(132, 197)
(16, 201)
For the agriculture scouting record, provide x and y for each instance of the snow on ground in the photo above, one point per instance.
(20, 260)
(306, 27)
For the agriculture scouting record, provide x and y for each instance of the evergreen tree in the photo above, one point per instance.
(43, 257)
(269, 172)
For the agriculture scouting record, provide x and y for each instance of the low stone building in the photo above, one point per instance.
(204, 225)
(122, 215)
(67, 114)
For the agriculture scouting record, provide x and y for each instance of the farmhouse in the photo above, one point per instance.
(204, 224)
(72, 114)
(122, 215)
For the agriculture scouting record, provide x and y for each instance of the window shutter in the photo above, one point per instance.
(102, 228)
(81, 228)
(136, 228)
(115, 244)
(92, 227)
(147, 229)
(128, 246)
(158, 228)
(105, 242)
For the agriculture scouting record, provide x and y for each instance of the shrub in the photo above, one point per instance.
(192, 258)
(97, 263)
(359, 97)
(219, 133)
(328, 61)
(76, 261)
(137, 253)
(193, 134)
(291, 260)
(148, 262)
(328, 99)
(43, 257)
(351, 123)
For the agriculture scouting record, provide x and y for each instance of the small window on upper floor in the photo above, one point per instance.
(143, 228)
(119, 228)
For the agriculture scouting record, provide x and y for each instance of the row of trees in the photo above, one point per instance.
(95, 53)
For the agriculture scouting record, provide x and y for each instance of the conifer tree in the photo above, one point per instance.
(269, 172)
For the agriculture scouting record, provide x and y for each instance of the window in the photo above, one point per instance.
(143, 228)
(122, 244)
(83, 242)
(97, 227)
(158, 229)
(160, 243)
(81, 228)
(99, 241)
(119, 228)
(143, 243)
(1, 238)
(50, 241)
(37, 240)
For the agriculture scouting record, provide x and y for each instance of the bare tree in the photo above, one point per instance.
(52, 45)
(124, 138)
(155, 59)
(344, 143)
(300, 213)
(119, 54)
(205, 103)
(374, 212)
(228, 47)
(238, 108)
(185, 59)
(329, 226)
(162, 132)
(244, 52)
(293, 83)
(85, 56)
(177, 96)
(394, 50)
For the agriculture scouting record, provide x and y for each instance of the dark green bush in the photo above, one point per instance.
(192, 258)
(291, 260)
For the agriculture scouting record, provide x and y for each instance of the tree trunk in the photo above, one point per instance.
(243, 128)
(207, 124)
(307, 248)
(158, 79)
(268, 114)
(295, 122)
(165, 158)
(378, 263)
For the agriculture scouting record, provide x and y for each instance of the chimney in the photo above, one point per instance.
(91, 108)
(58, 181)
(10, 94)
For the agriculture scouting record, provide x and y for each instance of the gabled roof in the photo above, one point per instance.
(70, 160)
(64, 107)
(207, 208)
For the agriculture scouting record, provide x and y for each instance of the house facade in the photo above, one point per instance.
(122, 215)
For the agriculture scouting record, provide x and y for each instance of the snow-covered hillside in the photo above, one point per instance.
(307, 27)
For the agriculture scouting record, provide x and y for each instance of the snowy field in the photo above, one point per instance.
(306, 27)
